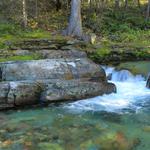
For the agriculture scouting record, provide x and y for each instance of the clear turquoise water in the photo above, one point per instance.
(111, 122)
(55, 128)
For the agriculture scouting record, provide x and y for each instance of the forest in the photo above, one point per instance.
(114, 24)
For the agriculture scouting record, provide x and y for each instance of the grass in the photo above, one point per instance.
(10, 33)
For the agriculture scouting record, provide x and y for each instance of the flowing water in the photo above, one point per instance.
(118, 121)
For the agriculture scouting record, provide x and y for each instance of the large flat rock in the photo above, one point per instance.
(23, 93)
(51, 69)
(76, 90)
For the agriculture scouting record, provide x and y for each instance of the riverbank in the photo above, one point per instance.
(107, 49)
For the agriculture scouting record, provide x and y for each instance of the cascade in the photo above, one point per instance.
(130, 90)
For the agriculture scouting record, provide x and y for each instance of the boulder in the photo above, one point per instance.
(64, 69)
(61, 75)
(76, 90)
(23, 93)
(148, 82)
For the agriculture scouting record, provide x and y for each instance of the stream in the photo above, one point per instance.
(119, 121)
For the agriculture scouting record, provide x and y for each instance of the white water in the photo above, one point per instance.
(131, 94)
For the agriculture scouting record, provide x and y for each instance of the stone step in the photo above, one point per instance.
(43, 54)
(37, 44)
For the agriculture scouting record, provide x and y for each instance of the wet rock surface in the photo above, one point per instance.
(148, 82)
(76, 90)
(63, 74)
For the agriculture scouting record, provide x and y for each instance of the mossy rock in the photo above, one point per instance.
(138, 67)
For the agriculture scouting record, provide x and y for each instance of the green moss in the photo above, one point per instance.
(10, 33)
(20, 58)
(36, 34)
(103, 51)
(140, 67)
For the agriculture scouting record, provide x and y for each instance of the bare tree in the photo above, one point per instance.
(117, 4)
(148, 10)
(36, 9)
(25, 20)
(58, 5)
(126, 4)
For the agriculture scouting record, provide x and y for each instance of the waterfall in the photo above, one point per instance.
(122, 75)
(131, 92)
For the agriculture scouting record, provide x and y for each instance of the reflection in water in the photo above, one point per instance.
(111, 122)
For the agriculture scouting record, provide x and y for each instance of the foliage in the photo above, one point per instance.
(112, 21)
(11, 33)
(117, 29)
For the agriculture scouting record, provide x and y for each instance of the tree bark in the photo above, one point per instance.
(36, 9)
(139, 4)
(126, 4)
(75, 22)
(117, 4)
(25, 20)
(58, 5)
(148, 10)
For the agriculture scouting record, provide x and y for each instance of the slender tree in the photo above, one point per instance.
(126, 4)
(25, 20)
(75, 23)
(58, 5)
(117, 4)
(148, 10)
(36, 9)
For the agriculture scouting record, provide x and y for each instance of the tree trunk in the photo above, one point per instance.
(148, 10)
(126, 4)
(25, 20)
(139, 4)
(117, 4)
(58, 5)
(36, 9)
(75, 22)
